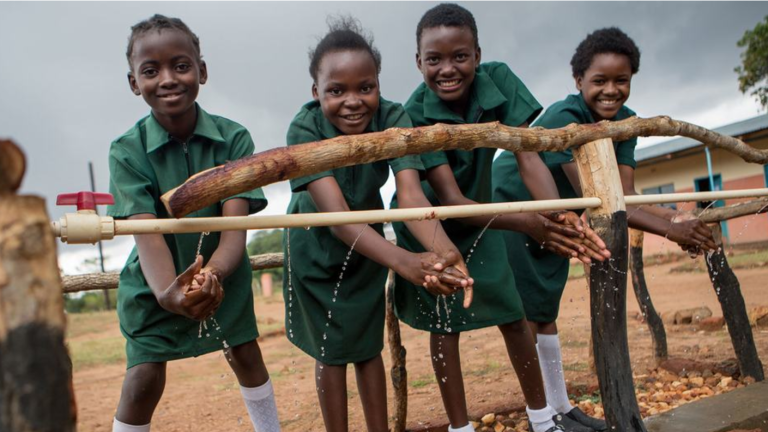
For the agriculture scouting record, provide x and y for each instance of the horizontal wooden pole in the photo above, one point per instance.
(734, 211)
(694, 196)
(285, 163)
(109, 280)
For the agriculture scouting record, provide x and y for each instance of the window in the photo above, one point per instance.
(702, 184)
(663, 189)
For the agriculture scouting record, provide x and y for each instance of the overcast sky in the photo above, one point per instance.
(64, 95)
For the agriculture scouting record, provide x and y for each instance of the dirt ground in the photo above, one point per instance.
(202, 393)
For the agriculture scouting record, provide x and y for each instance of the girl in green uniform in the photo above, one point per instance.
(458, 89)
(165, 293)
(334, 277)
(603, 66)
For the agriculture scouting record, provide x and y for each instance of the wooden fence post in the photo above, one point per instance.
(731, 300)
(397, 353)
(655, 325)
(35, 370)
(599, 176)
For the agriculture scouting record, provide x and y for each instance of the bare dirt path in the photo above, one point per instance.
(202, 394)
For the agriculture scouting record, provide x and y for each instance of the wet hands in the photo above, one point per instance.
(438, 274)
(564, 233)
(693, 235)
(196, 293)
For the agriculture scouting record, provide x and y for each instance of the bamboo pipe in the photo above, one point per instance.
(196, 225)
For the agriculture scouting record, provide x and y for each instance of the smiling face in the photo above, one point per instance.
(605, 85)
(167, 72)
(447, 58)
(347, 88)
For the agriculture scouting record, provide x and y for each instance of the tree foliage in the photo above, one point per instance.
(266, 242)
(753, 72)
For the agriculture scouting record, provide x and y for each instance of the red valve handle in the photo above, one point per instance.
(85, 200)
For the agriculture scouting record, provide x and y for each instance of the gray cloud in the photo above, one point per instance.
(64, 96)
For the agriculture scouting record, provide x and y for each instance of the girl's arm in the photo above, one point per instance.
(554, 236)
(228, 254)
(328, 197)
(691, 233)
(172, 292)
(430, 233)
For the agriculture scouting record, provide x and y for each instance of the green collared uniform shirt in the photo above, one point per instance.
(540, 274)
(145, 163)
(333, 319)
(497, 95)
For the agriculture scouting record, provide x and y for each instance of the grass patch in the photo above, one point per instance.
(423, 381)
(747, 260)
(80, 324)
(576, 367)
(574, 343)
(96, 352)
(490, 366)
(576, 271)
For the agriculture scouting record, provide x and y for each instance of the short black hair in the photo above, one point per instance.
(159, 23)
(344, 34)
(448, 15)
(607, 40)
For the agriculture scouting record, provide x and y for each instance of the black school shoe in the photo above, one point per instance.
(565, 424)
(578, 415)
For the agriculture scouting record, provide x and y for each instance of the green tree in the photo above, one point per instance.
(267, 242)
(753, 72)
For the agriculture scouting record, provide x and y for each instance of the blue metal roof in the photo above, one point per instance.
(679, 144)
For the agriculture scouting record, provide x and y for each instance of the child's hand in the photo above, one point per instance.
(217, 290)
(417, 266)
(181, 299)
(454, 273)
(691, 234)
(556, 234)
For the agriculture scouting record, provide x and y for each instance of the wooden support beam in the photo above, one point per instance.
(397, 353)
(599, 176)
(110, 280)
(285, 163)
(35, 370)
(734, 211)
(655, 325)
(731, 300)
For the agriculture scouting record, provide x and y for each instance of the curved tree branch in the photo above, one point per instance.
(285, 163)
(734, 211)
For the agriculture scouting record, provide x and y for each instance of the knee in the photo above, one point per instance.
(144, 383)
(519, 326)
(247, 354)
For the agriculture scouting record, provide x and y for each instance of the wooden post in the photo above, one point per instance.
(35, 370)
(599, 176)
(397, 353)
(655, 325)
(734, 310)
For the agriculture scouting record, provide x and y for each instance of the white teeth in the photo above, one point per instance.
(354, 117)
(448, 83)
(608, 102)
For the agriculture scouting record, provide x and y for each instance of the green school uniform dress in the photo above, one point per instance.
(540, 274)
(145, 163)
(337, 324)
(497, 95)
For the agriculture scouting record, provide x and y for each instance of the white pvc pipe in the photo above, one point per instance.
(694, 196)
(196, 225)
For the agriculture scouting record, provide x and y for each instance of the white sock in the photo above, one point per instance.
(467, 428)
(260, 402)
(541, 420)
(551, 362)
(118, 426)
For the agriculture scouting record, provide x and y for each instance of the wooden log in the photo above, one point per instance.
(652, 318)
(109, 280)
(729, 295)
(284, 163)
(12, 167)
(599, 176)
(397, 352)
(735, 211)
(35, 370)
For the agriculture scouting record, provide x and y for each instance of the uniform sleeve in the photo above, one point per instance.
(399, 118)
(242, 146)
(521, 107)
(555, 117)
(302, 130)
(130, 184)
(625, 153)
